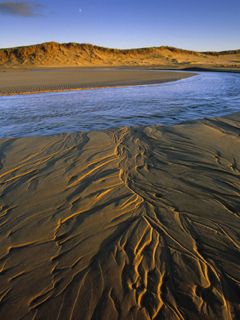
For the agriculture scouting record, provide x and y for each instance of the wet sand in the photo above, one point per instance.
(24, 81)
(131, 223)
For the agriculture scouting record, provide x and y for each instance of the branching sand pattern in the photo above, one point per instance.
(134, 223)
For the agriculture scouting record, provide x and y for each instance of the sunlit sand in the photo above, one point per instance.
(131, 223)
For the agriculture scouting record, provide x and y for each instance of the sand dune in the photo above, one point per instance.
(132, 223)
(53, 54)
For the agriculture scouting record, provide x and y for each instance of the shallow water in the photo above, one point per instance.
(208, 94)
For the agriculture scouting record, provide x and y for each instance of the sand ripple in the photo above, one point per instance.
(135, 223)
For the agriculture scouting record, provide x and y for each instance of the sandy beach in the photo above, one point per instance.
(23, 81)
(119, 160)
(130, 223)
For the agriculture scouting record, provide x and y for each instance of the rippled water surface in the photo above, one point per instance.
(208, 94)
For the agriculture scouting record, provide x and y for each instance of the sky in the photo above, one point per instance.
(200, 25)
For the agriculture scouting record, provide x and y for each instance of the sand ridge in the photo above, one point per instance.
(129, 223)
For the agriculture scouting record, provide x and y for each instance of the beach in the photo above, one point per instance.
(25, 81)
(127, 223)
(119, 160)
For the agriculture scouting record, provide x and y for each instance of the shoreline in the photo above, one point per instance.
(90, 88)
(166, 74)
(39, 81)
(160, 126)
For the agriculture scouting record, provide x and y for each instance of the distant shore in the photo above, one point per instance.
(40, 80)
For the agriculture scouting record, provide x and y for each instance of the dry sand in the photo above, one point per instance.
(132, 223)
(20, 81)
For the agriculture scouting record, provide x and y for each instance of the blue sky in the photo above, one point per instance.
(191, 24)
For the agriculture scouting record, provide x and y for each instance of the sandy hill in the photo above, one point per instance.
(75, 54)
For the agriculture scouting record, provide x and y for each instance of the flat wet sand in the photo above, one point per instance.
(22, 81)
(130, 223)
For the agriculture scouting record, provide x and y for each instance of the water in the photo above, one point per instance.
(208, 94)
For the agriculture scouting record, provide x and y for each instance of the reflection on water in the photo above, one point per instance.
(205, 95)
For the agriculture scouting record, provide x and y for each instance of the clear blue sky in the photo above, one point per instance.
(191, 24)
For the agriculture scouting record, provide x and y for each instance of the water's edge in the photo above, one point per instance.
(206, 95)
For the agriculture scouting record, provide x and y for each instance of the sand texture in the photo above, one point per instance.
(130, 223)
(54, 54)
(20, 81)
